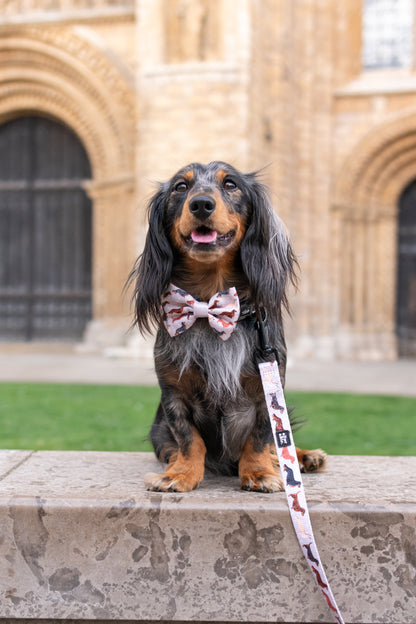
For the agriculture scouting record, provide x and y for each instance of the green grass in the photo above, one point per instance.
(118, 418)
(76, 417)
(349, 424)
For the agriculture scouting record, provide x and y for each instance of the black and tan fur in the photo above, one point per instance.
(212, 412)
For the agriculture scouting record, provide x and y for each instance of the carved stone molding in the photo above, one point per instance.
(24, 6)
(372, 173)
(365, 213)
(36, 11)
(113, 187)
(57, 72)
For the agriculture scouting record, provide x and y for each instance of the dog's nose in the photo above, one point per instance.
(201, 206)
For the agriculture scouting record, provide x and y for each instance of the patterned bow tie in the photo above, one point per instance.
(182, 310)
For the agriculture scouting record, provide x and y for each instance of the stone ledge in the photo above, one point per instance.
(81, 539)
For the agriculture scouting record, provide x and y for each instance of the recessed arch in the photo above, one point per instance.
(367, 165)
(369, 184)
(45, 231)
(57, 73)
(406, 272)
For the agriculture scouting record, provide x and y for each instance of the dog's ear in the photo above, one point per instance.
(152, 270)
(266, 254)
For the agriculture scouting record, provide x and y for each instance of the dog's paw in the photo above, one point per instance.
(313, 461)
(261, 482)
(169, 483)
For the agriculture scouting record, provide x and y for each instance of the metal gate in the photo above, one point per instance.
(406, 293)
(45, 231)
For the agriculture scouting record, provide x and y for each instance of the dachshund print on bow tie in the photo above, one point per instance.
(182, 310)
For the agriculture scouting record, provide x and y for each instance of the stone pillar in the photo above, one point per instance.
(114, 251)
(367, 283)
(386, 294)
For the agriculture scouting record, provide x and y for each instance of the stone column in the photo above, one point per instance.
(113, 253)
(367, 244)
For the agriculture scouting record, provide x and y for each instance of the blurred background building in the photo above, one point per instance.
(101, 98)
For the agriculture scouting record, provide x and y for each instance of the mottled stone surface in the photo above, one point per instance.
(80, 538)
(9, 460)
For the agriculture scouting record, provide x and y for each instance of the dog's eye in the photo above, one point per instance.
(181, 187)
(229, 184)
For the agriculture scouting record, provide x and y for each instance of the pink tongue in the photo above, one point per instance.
(206, 237)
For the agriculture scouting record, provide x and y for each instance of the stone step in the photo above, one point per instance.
(82, 539)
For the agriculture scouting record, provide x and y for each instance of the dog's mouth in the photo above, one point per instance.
(205, 237)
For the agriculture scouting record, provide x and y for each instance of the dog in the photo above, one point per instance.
(214, 237)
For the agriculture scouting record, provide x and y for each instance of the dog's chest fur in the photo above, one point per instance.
(214, 383)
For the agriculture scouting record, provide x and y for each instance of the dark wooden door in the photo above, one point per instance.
(45, 231)
(406, 291)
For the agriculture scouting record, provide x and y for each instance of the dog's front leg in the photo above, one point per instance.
(258, 469)
(186, 450)
(185, 468)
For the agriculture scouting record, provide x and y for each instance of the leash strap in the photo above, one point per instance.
(289, 466)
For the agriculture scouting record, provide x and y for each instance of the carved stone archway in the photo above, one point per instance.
(55, 72)
(365, 210)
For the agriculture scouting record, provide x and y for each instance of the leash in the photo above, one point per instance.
(181, 310)
(289, 466)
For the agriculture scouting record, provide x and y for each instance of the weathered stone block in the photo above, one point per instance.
(81, 539)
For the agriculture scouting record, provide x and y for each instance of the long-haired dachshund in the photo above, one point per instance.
(214, 248)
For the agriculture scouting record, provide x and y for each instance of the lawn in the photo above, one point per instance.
(118, 418)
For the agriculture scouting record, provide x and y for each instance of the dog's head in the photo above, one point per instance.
(213, 216)
(207, 210)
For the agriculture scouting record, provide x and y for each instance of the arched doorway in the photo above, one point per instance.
(406, 278)
(45, 231)
(378, 280)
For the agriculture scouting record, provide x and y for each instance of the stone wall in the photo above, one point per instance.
(81, 539)
(274, 86)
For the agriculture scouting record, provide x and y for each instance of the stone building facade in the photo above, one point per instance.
(271, 85)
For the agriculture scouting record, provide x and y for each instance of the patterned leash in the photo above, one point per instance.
(223, 310)
(286, 452)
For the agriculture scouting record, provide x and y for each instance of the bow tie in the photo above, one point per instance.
(182, 310)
